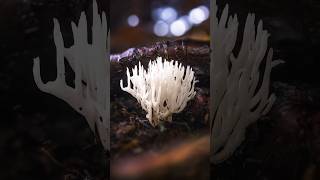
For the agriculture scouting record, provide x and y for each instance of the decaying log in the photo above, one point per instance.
(191, 152)
(189, 52)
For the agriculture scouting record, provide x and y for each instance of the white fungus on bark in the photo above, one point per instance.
(163, 89)
(239, 83)
(90, 95)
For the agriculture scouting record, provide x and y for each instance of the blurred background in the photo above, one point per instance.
(142, 22)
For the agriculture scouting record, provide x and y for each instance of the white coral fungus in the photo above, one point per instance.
(239, 81)
(164, 89)
(90, 95)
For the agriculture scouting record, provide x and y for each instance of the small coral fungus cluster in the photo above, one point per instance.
(164, 89)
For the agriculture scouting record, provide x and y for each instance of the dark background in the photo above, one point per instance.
(38, 131)
(41, 136)
(295, 31)
(284, 144)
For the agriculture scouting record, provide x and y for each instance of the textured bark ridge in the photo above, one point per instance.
(189, 52)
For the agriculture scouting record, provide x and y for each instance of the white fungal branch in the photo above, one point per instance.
(91, 94)
(164, 89)
(239, 83)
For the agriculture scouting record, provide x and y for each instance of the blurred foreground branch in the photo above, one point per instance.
(176, 161)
